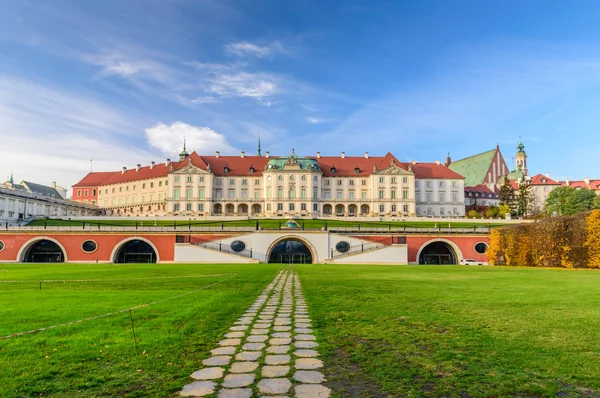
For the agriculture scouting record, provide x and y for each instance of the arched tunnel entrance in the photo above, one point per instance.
(291, 251)
(438, 253)
(136, 251)
(44, 251)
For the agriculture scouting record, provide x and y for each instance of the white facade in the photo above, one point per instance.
(440, 197)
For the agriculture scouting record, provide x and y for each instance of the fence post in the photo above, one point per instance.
(256, 225)
(219, 246)
(44, 224)
(362, 246)
(331, 253)
(174, 224)
(40, 285)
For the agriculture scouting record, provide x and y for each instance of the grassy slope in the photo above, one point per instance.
(456, 331)
(267, 223)
(97, 358)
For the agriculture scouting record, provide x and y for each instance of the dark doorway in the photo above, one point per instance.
(44, 251)
(136, 251)
(438, 253)
(291, 252)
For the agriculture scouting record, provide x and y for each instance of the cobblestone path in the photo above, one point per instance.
(270, 351)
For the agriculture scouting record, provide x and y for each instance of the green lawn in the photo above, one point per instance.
(456, 331)
(266, 223)
(384, 330)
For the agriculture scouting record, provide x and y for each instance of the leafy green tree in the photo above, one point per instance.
(597, 202)
(564, 201)
(523, 199)
(503, 210)
(506, 193)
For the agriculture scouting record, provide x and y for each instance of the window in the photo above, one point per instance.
(442, 184)
(89, 246)
(176, 207)
(454, 211)
(381, 180)
(394, 181)
(405, 194)
(133, 188)
(268, 207)
(244, 181)
(303, 207)
(176, 178)
(315, 193)
(327, 195)
(454, 184)
(303, 178)
(166, 182)
(133, 200)
(144, 186)
(292, 207)
(428, 184)
(279, 178)
(120, 189)
(218, 181)
(351, 182)
(393, 208)
(143, 199)
(238, 246)
(315, 207)
(200, 179)
(151, 197)
(325, 182)
(201, 193)
(303, 193)
(176, 194)
(382, 208)
(279, 193)
(404, 180)
(429, 197)
(339, 194)
(231, 194)
(106, 191)
(363, 195)
(256, 194)
(188, 194)
(231, 181)
(279, 206)
(342, 247)
(442, 197)
(269, 193)
(86, 192)
(351, 195)
(160, 183)
(257, 182)
(188, 179)
(455, 197)
(481, 247)
(113, 190)
(79, 192)
(292, 193)
(405, 208)
(393, 194)
(244, 194)
(316, 179)
(381, 194)
(339, 182)
(363, 182)
(429, 211)
(441, 211)
(200, 206)
(188, 207)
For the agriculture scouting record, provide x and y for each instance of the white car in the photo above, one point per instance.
(466, 261)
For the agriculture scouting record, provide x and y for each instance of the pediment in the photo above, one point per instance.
(393, 169)
(190, 169)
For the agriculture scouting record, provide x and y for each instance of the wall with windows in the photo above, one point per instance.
(440, 197)
(142, 197)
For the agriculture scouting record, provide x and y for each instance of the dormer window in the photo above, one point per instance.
(251, 169)
(356, 170)
(226, 170)
(332, 170)
(543, 180)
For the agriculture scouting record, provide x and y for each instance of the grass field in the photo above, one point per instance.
(384, 330)
(268, 223)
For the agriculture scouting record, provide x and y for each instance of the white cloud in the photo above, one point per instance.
(204, 100)
(244, 84)
(244, 48)
(169, 139)
(121, 68)
(315, 120)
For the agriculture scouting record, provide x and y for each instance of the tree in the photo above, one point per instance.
(503, 210)
(506, 193)
(523, 198)
(564, 201)
(597, 202)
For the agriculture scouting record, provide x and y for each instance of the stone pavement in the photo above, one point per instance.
(270, 351)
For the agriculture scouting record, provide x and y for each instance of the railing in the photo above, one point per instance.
(224, 248)
(357, 249)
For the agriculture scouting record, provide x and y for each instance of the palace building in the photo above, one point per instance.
(312, 186)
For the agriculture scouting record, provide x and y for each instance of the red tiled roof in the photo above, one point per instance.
(144, 173)
(575, 184)
(344, 167)
(95, 179)
(481, 189)
(541, 179)
(434, 170)
(595, 184)
(514, 184)
(237, 165)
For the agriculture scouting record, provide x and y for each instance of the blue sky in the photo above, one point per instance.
(123, 82)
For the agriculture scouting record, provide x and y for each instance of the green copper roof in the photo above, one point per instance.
(304, 163)
(515, 175)
(520, 147)
(474, 168)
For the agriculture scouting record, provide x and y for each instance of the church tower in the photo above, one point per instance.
(183, 154)
(521, 158)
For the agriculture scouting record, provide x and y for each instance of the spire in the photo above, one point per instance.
(259, 145)
(11, 180)
(183, 154)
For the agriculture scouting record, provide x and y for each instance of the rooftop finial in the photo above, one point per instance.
(11, 180)
(183, 154)
(259, 145)
(184, 143)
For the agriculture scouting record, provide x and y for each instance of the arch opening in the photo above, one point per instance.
(438, 253)
(44, 251)
(135, 251)
(291, 251)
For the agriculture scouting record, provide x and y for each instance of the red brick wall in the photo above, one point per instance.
(466, 244)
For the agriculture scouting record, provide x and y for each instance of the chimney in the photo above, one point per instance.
(54, 184)
(567, 182)
(547, 175)
(414, 161)
(343, 155)
(318, 155)
(267, 154)
(587, 181)
(448, 160)
(152, 165)
(366, 155)
(438, 162)
(217, 154)
(168, 162)
(138, 167)
(124, 170)
(243, 154)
